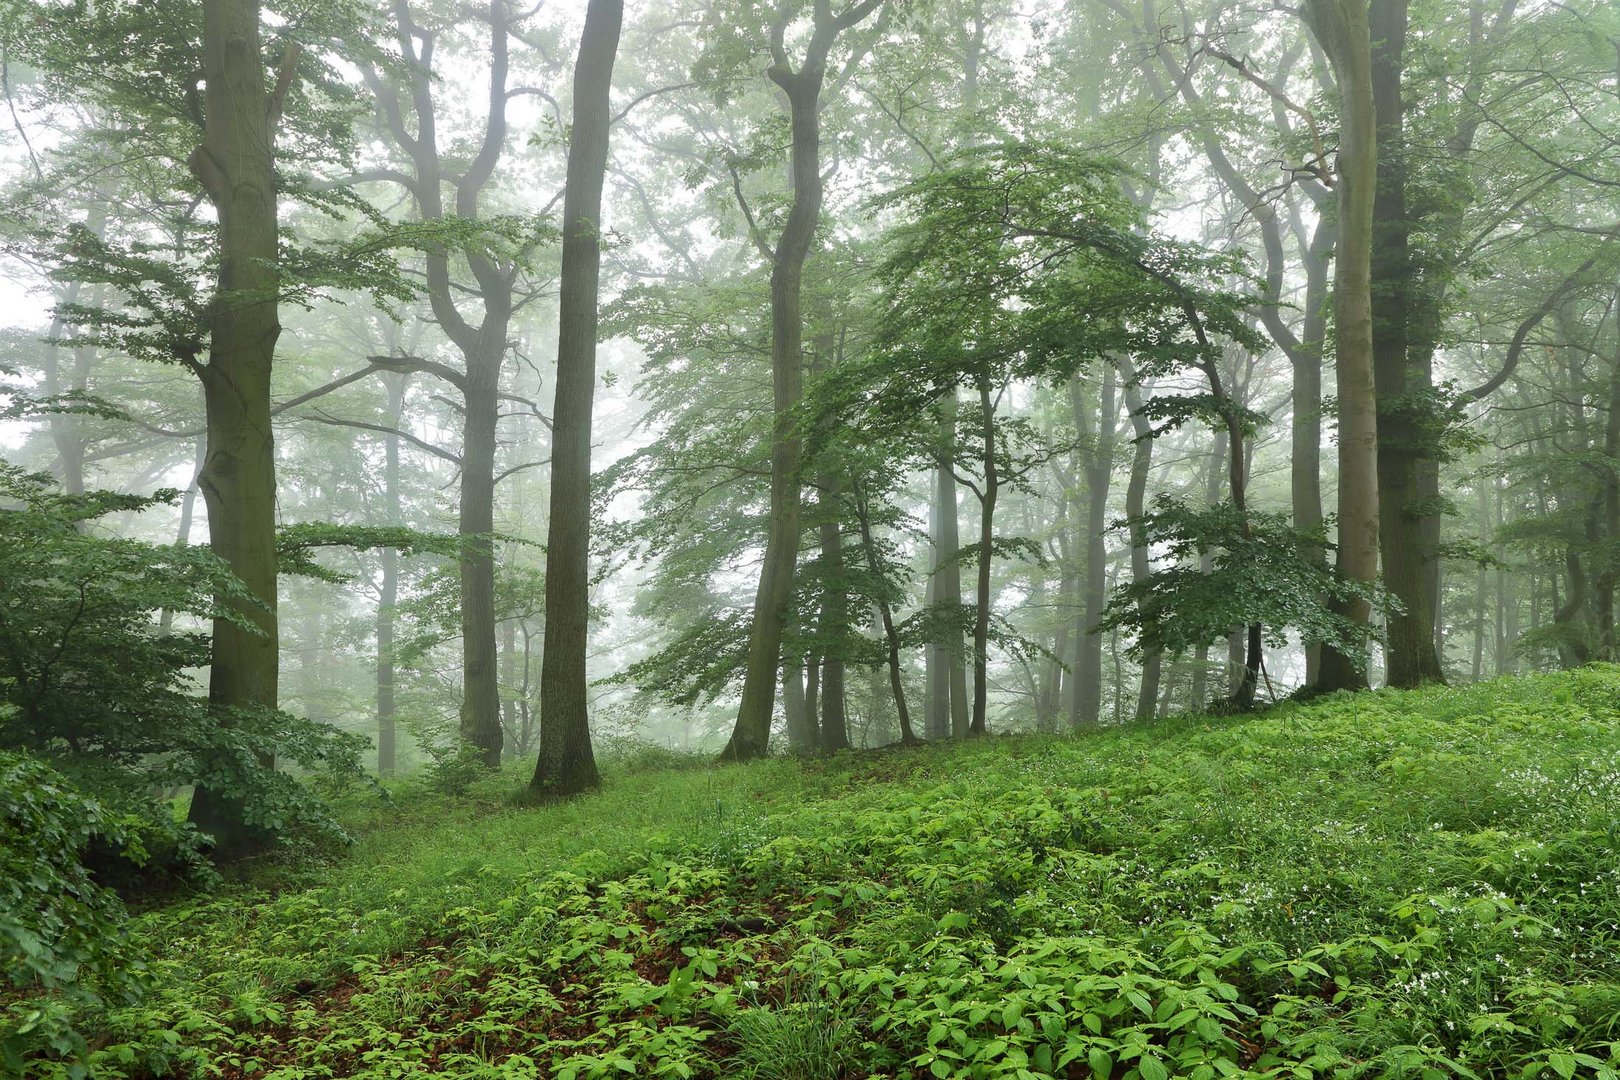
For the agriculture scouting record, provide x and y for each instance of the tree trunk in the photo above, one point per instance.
(1212, 495)
(981, 617)
(567, 764)
(1481, 584)
(480, 691)
(1341, 28)
(936, 706)
(812, 700)
(948, 581)
(1409, 654)
(1098, 470)
(1305, 436)
(1147, 694)
(235, 165)
(891, 637)
(388, 601)
(801, 732)
(750, 737)
(834, 619)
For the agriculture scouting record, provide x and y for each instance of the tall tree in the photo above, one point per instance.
(750, 736)
(566, 763)
(1402, 443)
(1341, 28)
(476, 316)
(236, 166)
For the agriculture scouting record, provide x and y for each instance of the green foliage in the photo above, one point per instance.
(92, 679)
(62, 936)
(1262, 570)
(297, 544)
(1397, 884)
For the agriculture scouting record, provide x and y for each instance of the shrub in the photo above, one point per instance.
(98, 635)
(60, 932)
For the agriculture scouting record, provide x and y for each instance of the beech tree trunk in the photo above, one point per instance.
(987, 516)
(750, 736)
(1403, 447)
(236, 167)
(834, 619)
(388, 601)
(801, 733)
(567, 764)
(1147, 695)
(891, 636)
(480, 658)
(936, 662)
(413, 126)
(948, 580)
(1098, 470)
(1341, 28)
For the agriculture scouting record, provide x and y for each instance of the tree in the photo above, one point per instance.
(497, 250)
(1341, 28)
(566, 764)
(750, 737)
(236, 166)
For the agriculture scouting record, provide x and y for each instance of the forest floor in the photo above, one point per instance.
(1401, 884)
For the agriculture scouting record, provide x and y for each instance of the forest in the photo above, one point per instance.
(809, 539)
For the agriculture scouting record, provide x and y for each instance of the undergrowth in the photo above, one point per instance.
(1419, 884)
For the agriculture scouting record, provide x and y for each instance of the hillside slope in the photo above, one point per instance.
(1422, 884)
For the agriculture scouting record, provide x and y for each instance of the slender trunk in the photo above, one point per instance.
(981, 616)
(567, 764)
(1341, 28)
(388, 601)
(1099, 461)
(507, 632)
(480, 693)
(482, 345)
(1305, 465)
(1147, 693)
(1481, 585)
(891, 637)
(834, 619)
(948, 581)
(936, 707)
(236, 168)
(1206, 563)
(750, 737)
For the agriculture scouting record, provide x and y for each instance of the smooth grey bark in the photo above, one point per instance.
(235, 165)
(891, 637)
(1135, 505)
(801, 734)
(1097, 468)
(567, 764)
(1341, 28)
(834, 618)
(412, 124)
(750, 736)
(948, 576)
(388, 600)
(1409, 653)
(936, 661)
(987, 516)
